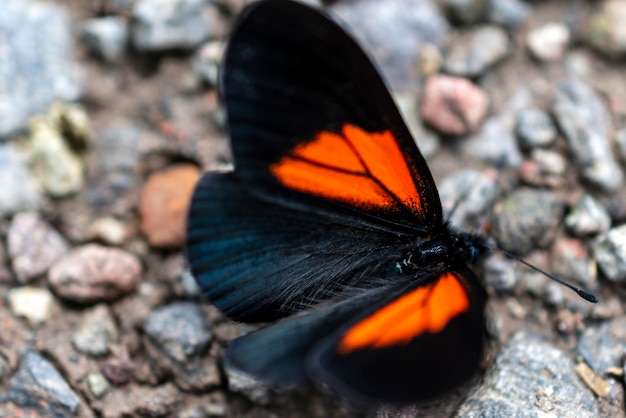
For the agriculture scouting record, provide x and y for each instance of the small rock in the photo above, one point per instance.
(530, 378)
(54, 164)
(609, 250)
(98, 384)
(429, 60)
(190, 286)
(499, 273)
(141, 401)
(180, 329)
(571, 261)
(549, 42)
(584, 119)
(525, 220)
(394, 31)
(37, 64)
(20, 191)
(38, 385)
(588, 217)
(473, 53)
(96, 332)
(510, 14)
(93, 273)
(494, 143)
(106, 37)
(470, 194)
(164, 204)
(108, 230)
(452, 105)
(466, 12)
(35, 304)
(206, 62)
(166, 24)
(605, 30)
(33, 246)
(534, 128)
(254, 390)
(602, 346)
(118, 369)
(544, 168)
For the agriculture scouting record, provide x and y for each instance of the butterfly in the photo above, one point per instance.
(332, 220)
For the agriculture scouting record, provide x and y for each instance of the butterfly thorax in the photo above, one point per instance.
(444, 250)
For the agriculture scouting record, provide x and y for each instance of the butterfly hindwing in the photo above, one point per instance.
(312, 123)
(257, 261)
(417, 346)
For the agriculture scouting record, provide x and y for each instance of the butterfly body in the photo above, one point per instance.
(331, 211)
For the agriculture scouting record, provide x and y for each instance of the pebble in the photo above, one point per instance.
(93, 273)
(588, 217)
(141, 401)
(38, 385)
(254, 390)
(584, 120)
(106, 37)
(571, 261)
(467, 12)
(499, 273)
(549, 42)
(394, 31)
(180, 329)
(525, 220)
(55, 165)
(609, 250)
(35, 304)
(544, 168)
(33, 246)
(108, 230)
(494, 143)
(116, 151)
(20, 192)
(452, 105)
(164, 203)
(98, 384)
(96, 332)
(602, 346)
(605, 29)
(530, 378)
(206, 62)
(36, 63)
(510, 14)
(473, 53)
(534, 128)
(160, 25)
(430, 60)
(470, 194)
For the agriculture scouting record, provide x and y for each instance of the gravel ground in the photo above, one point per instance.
(109, 114)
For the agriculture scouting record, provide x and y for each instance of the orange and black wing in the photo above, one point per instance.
(313, 125)
(329, 189)
(418, 346)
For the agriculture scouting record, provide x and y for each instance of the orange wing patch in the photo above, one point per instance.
(357, 167)
(425, 309)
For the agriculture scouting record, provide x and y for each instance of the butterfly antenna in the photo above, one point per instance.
(582, 293)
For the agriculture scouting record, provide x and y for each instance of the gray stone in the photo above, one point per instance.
(165, 24)
(394, 31)
(571, 261)
(96, 332)
(584, 119)
(603, 346)
(38, 385)
(20, 192)
(36, 64)
(530, 378)
(605, 29)
(544, 168)
(508, 13)
(180, 329)
(588, 217)
(534, 128)
(33, 246)
(549, 42)
(106, 37)
(206, 62)
(526, 220)
(494, 143)
(473, 53)
(609, 250)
